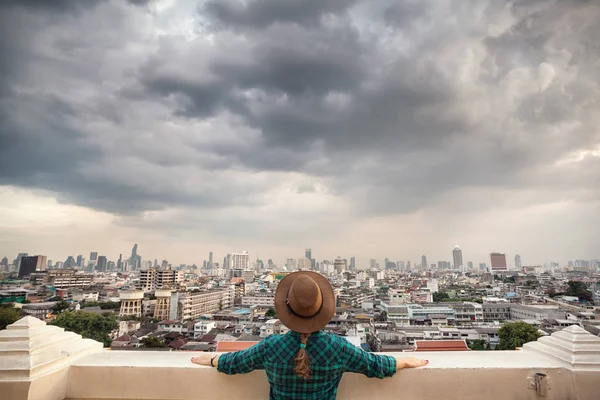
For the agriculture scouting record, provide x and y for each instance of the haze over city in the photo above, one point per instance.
(355, 128)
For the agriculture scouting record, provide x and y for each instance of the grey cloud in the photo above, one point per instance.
(392, 104)
(261, 13)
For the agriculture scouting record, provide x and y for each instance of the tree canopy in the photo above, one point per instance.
(60, 307)
(8, 315)
(478, 344)
(153, 342)
(516, 334)
(580, 290)
(271, 313)
(89, 325)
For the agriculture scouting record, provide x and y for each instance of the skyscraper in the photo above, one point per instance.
(424, 264)
(31, 264)
(69, 262)
(339, 265)
(120, 263)
(80, 260)
(308, 255)
(94, 256)
(133, 260)
(352, 263)
(210, 259)
(238, 261)
(102, 263)
(498, 261)
(518, 264)
(17, 262)
(372, 263)
(457, 257)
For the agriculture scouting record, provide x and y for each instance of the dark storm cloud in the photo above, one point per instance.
(261, 13)
(394, 104)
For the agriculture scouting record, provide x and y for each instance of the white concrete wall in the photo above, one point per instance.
(46, 363)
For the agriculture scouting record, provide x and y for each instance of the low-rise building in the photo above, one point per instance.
(262, 299)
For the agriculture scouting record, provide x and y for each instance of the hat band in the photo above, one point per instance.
(290, 309)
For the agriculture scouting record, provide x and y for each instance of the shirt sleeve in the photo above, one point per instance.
(369, 364)
(244, 361)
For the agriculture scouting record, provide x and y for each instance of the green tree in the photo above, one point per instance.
(60, 307)
(478, 345)
(153, 342)
(580, 290)
(439, 297)
(516, 334)
(89, 325)
(271, 313)
(8, 315)
(382, 317)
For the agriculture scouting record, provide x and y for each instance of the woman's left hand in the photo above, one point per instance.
(202, 359)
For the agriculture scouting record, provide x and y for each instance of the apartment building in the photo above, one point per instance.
(194, 304)
(262, 299)
(156, 278)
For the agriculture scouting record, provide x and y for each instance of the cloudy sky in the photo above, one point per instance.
(367, 128)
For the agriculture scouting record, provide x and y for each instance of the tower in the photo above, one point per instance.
(457, 257)
(163, 304)
(131, 302)
(133, 260)
(518, 264)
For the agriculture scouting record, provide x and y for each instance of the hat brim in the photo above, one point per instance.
(303, 325)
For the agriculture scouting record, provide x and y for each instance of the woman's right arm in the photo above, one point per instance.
(376, 365)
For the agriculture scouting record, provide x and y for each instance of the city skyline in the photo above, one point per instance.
(360, 262)
(359, 128)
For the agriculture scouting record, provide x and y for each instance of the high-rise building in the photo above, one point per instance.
(339, 265)
(120, 263)
(304, 264)
(4, 262)
(80, 260)
(308, 255)
(457, 257)
(102, 264)
(49, 265)
(290, 264)
(31, 264)
(238, 261)
(483, 266)
(352, 263)
(518, 263)
(470, 264)
(17, 262)
(210, 259)
(424, 263)
(498, 262)
(70, 262)
(372, 263)
(134, 260)
(159, 278)
(94, 256)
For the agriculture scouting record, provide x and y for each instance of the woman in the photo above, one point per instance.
(306, 363)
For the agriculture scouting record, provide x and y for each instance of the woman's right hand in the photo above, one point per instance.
(410, 362)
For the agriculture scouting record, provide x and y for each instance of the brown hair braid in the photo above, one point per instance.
(302, 368)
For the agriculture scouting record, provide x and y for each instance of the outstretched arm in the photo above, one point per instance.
(239, 362)
(204, 359)
(410, 362)
(377, 365)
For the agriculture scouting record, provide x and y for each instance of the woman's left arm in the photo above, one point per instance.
(239, 362)
(204, 359)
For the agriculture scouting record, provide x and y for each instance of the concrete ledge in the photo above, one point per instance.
(458, 375)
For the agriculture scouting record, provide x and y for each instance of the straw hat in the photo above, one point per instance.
(304, 301)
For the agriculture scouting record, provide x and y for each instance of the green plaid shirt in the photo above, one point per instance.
(330, 356)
